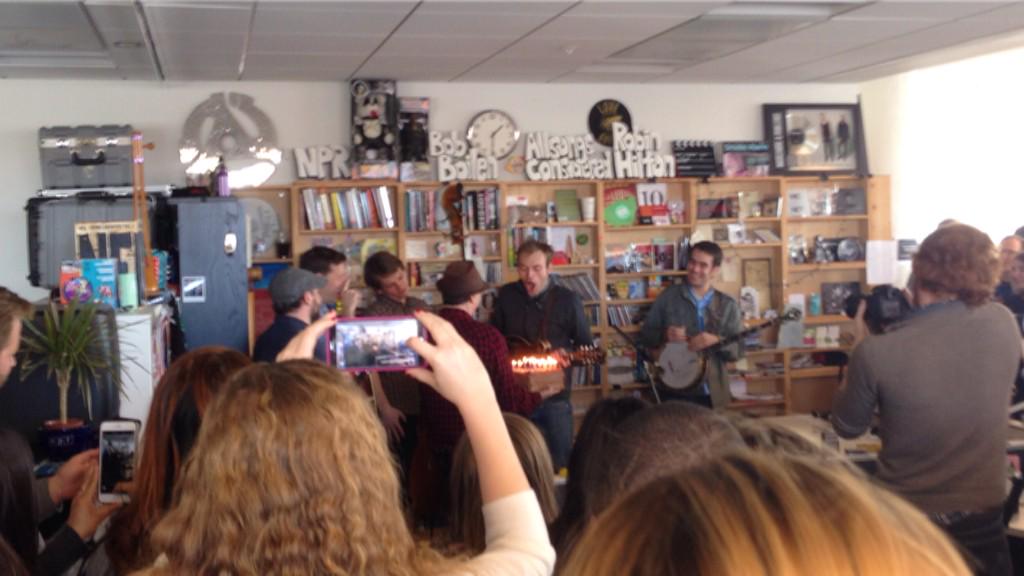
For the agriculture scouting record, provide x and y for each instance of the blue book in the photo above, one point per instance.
(101, 275)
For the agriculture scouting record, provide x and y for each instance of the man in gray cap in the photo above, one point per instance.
(295, 294)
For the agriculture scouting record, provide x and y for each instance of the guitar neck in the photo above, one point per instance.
(745, 332)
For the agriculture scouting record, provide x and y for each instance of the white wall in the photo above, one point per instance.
(317, 113)
(952, 142)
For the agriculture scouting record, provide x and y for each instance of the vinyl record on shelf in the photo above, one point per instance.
(849, 250)
(802, 135)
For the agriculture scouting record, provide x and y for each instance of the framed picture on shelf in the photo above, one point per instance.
(757, 274)
(815, 138)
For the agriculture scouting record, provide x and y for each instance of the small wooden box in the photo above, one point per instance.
(537, 381)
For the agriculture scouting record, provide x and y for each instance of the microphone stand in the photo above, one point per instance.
(643, 355)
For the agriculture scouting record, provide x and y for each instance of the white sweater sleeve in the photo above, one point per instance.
(517, 540)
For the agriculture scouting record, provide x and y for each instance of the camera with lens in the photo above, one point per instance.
(886, 305)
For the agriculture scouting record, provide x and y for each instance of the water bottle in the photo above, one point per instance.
(221, 179)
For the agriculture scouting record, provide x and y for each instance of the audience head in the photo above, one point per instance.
(703, 263)
(760, 515)
(658, 442)
(10, 564)
(588, 452)
(957, 261)
(1016, 276)
(533, 263)
(467, 520)
(13, 309)
(291, 474)
(180, 401)
(947, 223)
(1009, 247)
(461, 284)
(17, 506)
(297, 291)
(385, 274)
(330, 264)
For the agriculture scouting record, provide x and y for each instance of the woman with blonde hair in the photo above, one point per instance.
(754, 515)
(291, 474)
(467, 510)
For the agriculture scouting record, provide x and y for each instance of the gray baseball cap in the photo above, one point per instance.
(290, 284)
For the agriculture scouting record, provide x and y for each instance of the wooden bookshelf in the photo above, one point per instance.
(786, 278)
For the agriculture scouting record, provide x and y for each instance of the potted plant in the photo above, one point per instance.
(68, 346)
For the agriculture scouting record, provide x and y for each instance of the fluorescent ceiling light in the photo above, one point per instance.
(769, 10)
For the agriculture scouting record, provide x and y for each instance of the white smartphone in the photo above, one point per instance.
(119, 442)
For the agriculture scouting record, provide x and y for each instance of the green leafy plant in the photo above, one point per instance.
(67, 346)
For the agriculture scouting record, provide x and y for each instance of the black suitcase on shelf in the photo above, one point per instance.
(51, 228)
(86, 156)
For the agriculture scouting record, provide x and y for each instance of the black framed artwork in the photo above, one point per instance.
(813, 139)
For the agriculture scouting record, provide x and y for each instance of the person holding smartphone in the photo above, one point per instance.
(335, 507)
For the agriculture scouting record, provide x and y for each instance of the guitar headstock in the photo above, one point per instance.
(587, 355)
(791, 315)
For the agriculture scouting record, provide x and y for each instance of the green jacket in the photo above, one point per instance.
(722, 318)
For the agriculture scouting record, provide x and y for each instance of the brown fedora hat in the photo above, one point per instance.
(461, 279)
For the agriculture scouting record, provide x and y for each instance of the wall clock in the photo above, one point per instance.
(493, 133)
(603, 115)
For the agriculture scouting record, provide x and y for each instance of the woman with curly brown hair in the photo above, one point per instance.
(760, 515)
(940, 380)
(179, 403)
(291, 474)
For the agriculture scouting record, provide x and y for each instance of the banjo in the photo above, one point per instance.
(680, 368)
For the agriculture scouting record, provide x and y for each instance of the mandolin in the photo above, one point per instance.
(680, 368)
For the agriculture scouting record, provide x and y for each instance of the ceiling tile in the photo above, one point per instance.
(49, 40)
(671, 10)
(410, 46)
(256, 61)
(63, 15)
(119, 16)
(313, 43)
(330, 19)
(511, 25)
(606, 78)
(196, 18)
(931, 10)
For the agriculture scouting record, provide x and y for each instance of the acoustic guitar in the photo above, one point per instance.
(680, 368)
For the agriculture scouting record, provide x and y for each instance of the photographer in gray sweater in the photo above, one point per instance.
(941, 382)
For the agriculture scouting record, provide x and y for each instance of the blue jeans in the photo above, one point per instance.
(554, 418)
(982, 538)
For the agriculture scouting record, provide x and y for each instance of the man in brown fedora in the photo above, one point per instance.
(462, 291)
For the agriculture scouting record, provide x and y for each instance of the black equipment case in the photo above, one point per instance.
(51, 228)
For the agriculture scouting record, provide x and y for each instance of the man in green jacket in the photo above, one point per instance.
(696, 313)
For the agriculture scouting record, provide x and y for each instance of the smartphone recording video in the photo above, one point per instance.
(118, 446)
(367, 344)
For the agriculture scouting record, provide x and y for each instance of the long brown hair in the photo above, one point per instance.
(179, 402)
(291, 474)
(761, 515)
(18, 514)
(467, 507)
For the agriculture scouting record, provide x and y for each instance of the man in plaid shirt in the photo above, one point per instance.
(462, 292)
